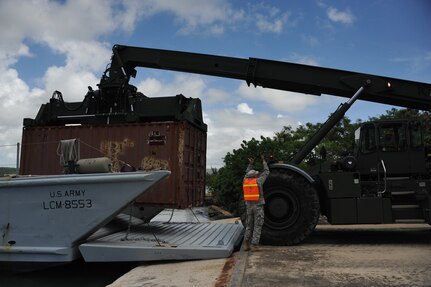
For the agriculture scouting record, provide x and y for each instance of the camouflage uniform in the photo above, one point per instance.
(255, 209)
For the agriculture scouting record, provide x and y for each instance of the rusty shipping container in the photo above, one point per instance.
(175, 145)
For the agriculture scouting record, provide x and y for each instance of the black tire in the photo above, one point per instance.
(291, 208)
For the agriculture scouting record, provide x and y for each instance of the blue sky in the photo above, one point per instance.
(65, 46)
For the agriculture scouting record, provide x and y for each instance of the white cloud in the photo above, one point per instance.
(17, 101)
(417, 63)
(310, 40)
(68, 29)
(10, 56)
(212, 17)
(150, 87)
(217, 30)
(186, 84)
(228, 128)
(129, 14)
(16, 98)
(215, 95)
(306, 60)
(83, 61)
(279, 100)
(344, 17)
(269, 18)
(244, 108)
(72, 84)
(209, 16)
(53, 23)
(265, 25)
(85, 55)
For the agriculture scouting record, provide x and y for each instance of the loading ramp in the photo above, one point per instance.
(156, 241)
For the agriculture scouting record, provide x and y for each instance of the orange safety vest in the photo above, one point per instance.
(251, 189)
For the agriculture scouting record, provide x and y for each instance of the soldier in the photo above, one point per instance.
(254, 202)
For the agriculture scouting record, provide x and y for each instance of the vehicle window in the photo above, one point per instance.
(368, 139)
(415, 135)
(392, 137)
(356, 143)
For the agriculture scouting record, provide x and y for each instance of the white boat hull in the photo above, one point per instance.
(45, 218)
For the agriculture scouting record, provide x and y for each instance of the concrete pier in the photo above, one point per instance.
(356, 255)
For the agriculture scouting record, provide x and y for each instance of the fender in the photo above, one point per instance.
(293, 168)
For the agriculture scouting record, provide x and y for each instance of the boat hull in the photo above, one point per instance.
(45, 218)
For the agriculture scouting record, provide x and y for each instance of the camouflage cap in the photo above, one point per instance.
(252, 173)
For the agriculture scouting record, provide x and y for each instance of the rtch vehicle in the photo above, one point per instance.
(387, 180)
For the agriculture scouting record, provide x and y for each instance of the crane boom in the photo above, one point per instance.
(270, 74)
(117, 100)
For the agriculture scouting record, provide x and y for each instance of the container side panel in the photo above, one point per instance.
(177, 146)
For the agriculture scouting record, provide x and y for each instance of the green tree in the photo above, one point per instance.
(226, 186)
(338, 142)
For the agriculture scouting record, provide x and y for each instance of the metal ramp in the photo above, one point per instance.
(165, 241)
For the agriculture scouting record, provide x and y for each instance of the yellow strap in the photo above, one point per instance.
(251, 184)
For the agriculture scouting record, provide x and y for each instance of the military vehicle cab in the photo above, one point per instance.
(386, 181)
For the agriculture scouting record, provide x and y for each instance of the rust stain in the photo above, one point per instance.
(113, 150)
(152, 163)
(181, 145)
(226, 272)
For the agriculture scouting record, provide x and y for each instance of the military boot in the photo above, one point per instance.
(254, 247)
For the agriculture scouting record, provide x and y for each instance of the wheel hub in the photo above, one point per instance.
(281, 209)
